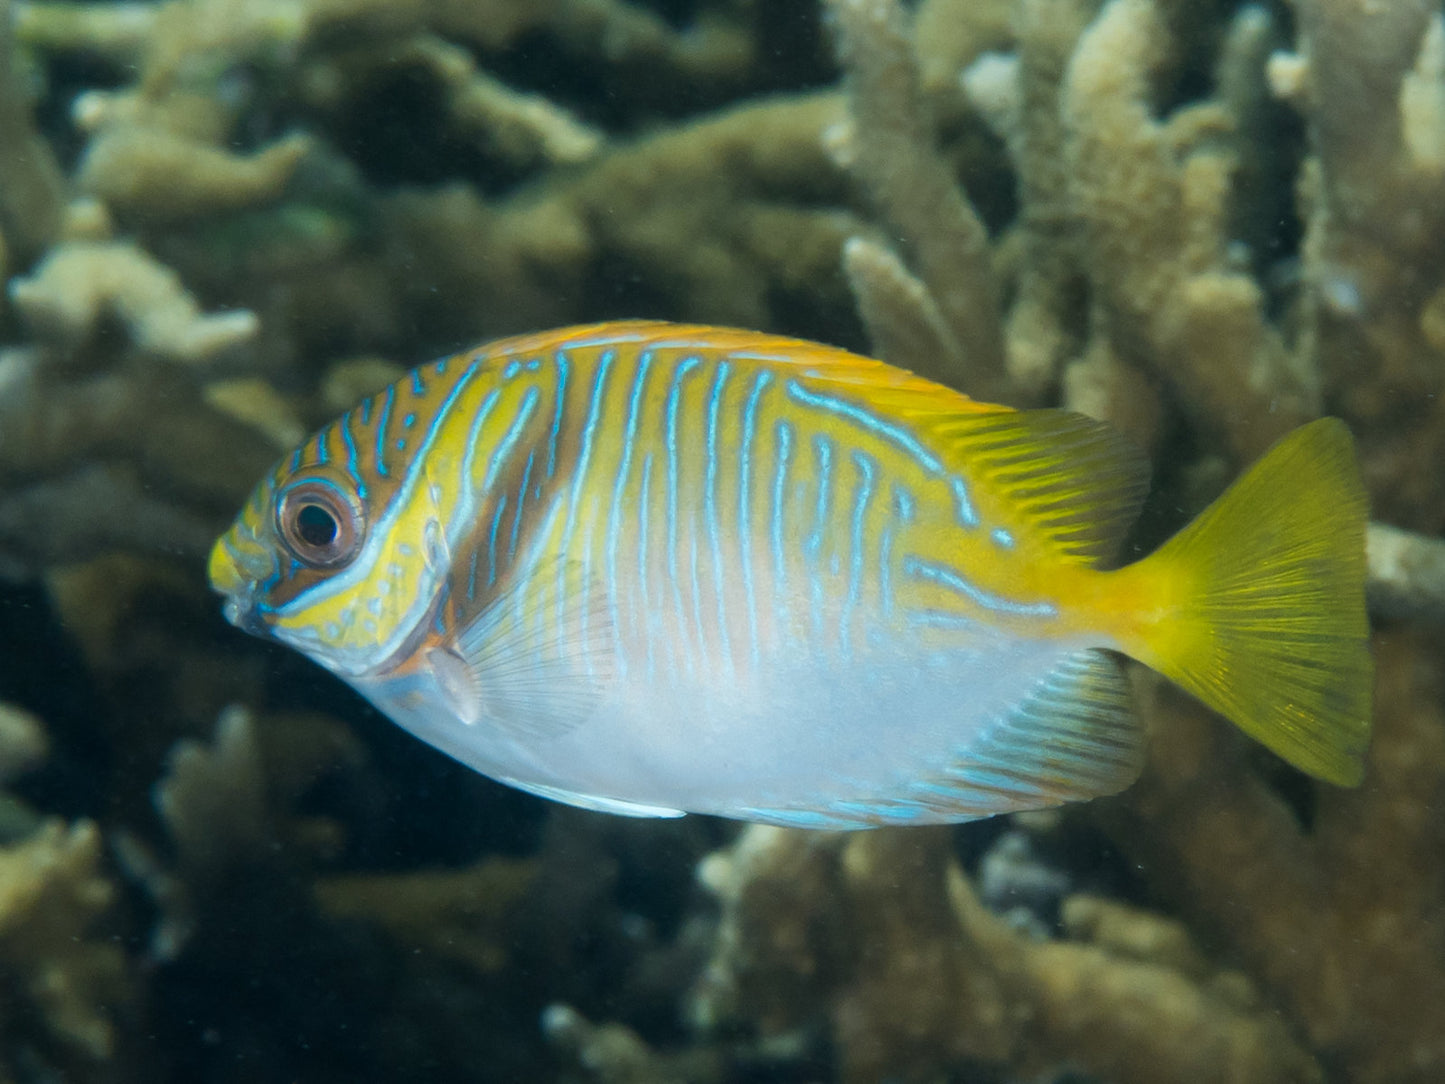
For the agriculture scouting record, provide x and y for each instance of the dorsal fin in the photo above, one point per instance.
(819, 364)
(1078, 482)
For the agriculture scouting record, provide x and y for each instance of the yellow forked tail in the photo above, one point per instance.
(1262, 605)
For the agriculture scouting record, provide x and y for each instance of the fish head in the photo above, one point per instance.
(334, 566)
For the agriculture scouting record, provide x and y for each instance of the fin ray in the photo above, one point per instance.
(1268, 623)
(1078, 482)
(1073, 737)
(539, 658)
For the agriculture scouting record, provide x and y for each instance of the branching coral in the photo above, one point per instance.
(745, 244)
(1407, 574)
(614, 1054)
(22, 742)
(133, 461)
(461, 915)
(31, 185)
(1152, 200)
(82, 283)
(951, 325)
(1122, 251)
(884, 932)
(890, 149)
(153, 174)
(52, 891)
(1340, 919)
(521, 129)
(1370, 80)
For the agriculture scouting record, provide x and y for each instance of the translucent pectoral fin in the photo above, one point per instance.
(536, 662)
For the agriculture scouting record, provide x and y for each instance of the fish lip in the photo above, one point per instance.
(240, 610)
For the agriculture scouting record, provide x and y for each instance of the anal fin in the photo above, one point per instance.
(1073, 736)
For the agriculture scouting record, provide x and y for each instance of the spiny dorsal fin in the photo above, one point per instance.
(1079, 482)
(820, 365)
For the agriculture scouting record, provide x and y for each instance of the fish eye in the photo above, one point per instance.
(319, 524)
(316, 526)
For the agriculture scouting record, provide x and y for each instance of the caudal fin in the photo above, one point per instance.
(1264, 611)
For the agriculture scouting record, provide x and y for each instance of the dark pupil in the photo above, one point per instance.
(315, 525)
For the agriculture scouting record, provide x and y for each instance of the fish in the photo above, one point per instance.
(653, 569)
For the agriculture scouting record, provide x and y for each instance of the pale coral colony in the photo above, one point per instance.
(224, 221)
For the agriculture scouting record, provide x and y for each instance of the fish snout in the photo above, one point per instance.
(235, 577)
(240, 609)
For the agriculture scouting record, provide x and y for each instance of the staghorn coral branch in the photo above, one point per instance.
(81, 283)
(1369, 80)
(717, 241)
(1407, 574)
(1358, 55)
(147, 172)
(903, 321)
(32, 189)
(1154, 220)
(891, 150)
(53, 888)
(1041, 329)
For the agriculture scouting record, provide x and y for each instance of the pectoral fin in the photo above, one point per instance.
(537, 660)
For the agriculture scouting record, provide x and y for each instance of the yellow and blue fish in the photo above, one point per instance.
(653, 569)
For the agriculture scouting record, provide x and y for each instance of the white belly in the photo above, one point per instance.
(797, 734)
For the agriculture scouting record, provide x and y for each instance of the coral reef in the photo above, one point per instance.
(889, 147)
(884, 932)
(223, 222)
(64, 985)
(1371, 87)
(1337, 914)
(1407, 574)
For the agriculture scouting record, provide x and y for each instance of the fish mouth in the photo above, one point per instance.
(232, 577)
(240, 610)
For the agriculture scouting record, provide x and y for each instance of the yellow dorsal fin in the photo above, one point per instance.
(818, 363)
(1075, 481)
(1078, 482)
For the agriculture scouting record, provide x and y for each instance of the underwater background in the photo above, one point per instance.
(223, 222)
